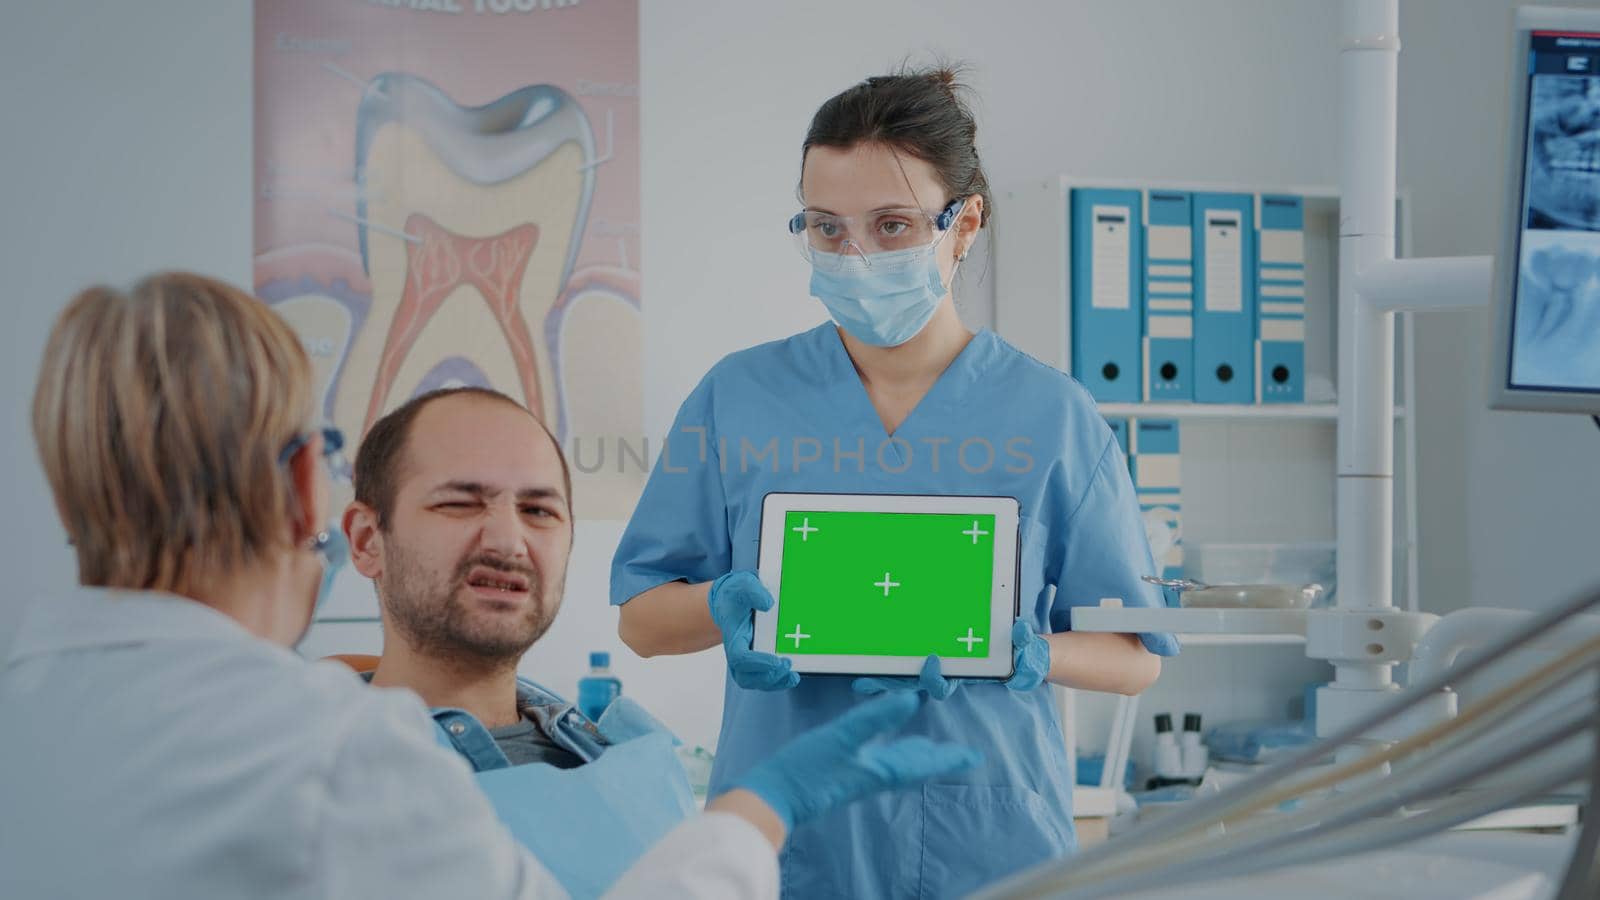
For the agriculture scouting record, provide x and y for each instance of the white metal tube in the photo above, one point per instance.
(1408, 429)
(1465, 629)
(1364, 525)
(1449, 282)
(1367, 117)
(1203, 813)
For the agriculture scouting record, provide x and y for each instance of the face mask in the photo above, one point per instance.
(335, 552)
(884, 303)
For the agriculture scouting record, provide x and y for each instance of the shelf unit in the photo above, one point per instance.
(1224, 640)
(1033, 311)
(1229, 622)
(1247, 456)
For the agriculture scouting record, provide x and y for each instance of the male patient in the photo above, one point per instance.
(463, 520)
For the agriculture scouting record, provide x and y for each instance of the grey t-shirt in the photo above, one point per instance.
(525, 742)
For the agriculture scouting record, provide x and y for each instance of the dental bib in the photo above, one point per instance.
(590, 824)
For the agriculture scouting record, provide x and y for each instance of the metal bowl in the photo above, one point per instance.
(1252, 596)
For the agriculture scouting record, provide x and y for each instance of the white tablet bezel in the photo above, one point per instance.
(1002, 602)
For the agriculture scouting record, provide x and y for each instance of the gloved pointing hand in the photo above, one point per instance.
(833, 765)
(733, 598)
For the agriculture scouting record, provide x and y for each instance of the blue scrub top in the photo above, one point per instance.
(793, 415)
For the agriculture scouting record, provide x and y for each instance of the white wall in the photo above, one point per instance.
(133, 153)
(126, 149)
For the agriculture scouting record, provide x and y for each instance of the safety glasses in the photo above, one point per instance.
(332, 449)
(827, 240)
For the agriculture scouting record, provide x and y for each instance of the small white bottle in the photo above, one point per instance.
(1169, 758)
(1195, 755)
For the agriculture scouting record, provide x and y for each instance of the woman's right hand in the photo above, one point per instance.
(733, 599)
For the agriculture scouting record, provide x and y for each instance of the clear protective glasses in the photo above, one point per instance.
(330, 541)
(332, 450)
(827, 240)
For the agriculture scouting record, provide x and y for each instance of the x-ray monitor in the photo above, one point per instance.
(1547, 290)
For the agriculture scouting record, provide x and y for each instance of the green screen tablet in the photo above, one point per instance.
(873, 584)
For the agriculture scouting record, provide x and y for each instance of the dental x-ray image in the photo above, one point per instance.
(1564, 152)
(1557, 322)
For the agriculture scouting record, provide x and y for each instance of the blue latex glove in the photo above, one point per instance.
(1030, 654)
(833, 765)
(1030, 658)
(931, 682)
(734, 598)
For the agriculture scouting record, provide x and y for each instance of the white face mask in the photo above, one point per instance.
(883, 299)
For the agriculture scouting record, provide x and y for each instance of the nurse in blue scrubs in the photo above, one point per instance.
(896, 395)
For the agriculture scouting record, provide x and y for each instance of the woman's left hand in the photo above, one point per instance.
(1030, 657)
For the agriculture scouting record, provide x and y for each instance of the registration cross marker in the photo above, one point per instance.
(806, 529)
(797, 636)
(886, 584)
(969, 640)
(975, 531)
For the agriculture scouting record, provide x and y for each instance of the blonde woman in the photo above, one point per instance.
(162, 738)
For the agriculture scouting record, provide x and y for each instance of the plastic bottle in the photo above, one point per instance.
(1169, 757)
(1195, 755)
(599, 688)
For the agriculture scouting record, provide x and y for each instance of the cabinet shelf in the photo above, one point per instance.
(1316, 412)
(1220, 640)
(1191, 621)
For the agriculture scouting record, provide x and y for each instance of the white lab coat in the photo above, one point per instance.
(151, 748)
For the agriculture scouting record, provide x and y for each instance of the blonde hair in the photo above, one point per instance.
(159, 415)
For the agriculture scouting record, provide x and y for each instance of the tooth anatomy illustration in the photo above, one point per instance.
(322, 292)
(602, 403)
(470, 219)
(439, 265)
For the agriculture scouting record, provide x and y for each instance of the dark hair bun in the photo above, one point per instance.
(917, 111)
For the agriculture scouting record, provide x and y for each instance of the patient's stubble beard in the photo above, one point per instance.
(435, 617)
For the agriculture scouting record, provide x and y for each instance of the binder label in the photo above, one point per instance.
(1110, 255)
(1224, 262)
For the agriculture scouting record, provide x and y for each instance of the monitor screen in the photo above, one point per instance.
(1554, 324)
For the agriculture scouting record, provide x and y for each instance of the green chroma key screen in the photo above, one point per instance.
(886, 584)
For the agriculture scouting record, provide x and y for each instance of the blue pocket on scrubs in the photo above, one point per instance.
(975, 834)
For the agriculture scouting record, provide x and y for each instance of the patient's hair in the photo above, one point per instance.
(159, 415)
(377, 470)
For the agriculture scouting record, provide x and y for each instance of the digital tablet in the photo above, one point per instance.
(871, 584)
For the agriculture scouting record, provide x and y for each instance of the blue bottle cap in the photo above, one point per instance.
(600, 659)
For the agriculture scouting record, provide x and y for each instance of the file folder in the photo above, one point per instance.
(1281, 300)
(1119, 429)
(1107, 292)
(1224, 304)
(1168, 298)
(1158, 482)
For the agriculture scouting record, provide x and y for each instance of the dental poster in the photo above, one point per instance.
(447, 193)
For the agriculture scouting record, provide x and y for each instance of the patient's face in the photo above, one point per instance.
(475, 556)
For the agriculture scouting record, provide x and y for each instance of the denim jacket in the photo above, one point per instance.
(560, 720)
